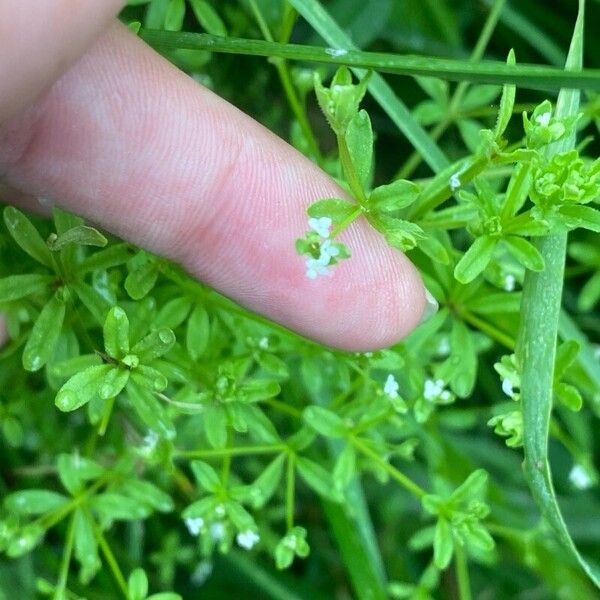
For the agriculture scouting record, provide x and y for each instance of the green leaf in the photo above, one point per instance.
(324, 421)
(266, 484)
(85, 546)
(398, 233)
(569, 395)
(137, 585)
(150, 410)
(27, 236)
(590, 293)
(175, 15)
(272, 364)
(197, 332)
(473, 487)
(113, 382)
(82, 235)
(443, 544)
(141, 280)
(116, 333)
(585, 217)
(241, 519)
(394, 196)
(92, 300)
(74, 470)
(258, 389)
(81, 388)
(113, 256)
(214, 423)
(507, 102)
(475, 259)
(490, 304)
(317, 478)
(42, 339)
(34, 502)
(206, 476)
(147, 493)
(111, 506)
(525, 252)
(15, 287)
(155, 344)
(173, 313)
(334, 208)
(149, 378)
(345, 467)
(359, 139)
(208, 18)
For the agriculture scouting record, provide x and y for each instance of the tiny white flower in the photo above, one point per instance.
(509, 283)
(328, 251)
(432, 390)
(291, 541)
(149, 443)
(194, 525)
(544, 119)
(201, 573)
(315, 267)
(321, 225)
(391, 387)
(455, 181)
(217, 531)
(247, 539)
(443, 348)
(507, 387)
(580, 478)
(336, 51)
(446, 396)
(220, 510)
(263, 343)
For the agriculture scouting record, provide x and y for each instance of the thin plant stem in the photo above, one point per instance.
(290, 491)
(484, 37)
(394, 473)
(286, 80)
(222, 452)
(110, 558)
(462, 573)
(66, 560)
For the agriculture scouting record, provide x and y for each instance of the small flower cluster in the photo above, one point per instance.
(390, 390)
(322, 252)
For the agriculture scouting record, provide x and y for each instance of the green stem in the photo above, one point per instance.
(462, 573)
(223, 452)
(495, 72)
(61, 586)
(394, 473)
(286, 80)
(493, 332)
(290, 491)
(453, 115)
(110, 558)
(424, 205)
(226, 466)
(351, 175)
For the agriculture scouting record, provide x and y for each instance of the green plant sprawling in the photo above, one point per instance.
(159, 441)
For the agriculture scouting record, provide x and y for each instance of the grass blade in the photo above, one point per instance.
(540, 313)
(528, 76)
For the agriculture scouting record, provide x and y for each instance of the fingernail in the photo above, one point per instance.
(431, 307)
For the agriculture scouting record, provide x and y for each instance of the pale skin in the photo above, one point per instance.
(95, 120)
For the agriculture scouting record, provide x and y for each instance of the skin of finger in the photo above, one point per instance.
(131, 143)
(40, 40)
